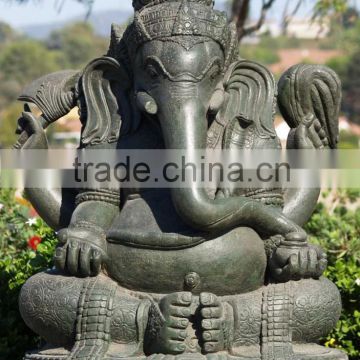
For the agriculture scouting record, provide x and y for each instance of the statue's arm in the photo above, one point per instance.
(95, 212)
(300, 203)
(83, 244)
(55, 95)
(309, 100)
(82, 218)
(55, 206)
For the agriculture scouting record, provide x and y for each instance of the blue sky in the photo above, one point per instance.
(44, 11)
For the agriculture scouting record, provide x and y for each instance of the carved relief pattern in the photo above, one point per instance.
(123, 323)
(55, 94)
(156, 321)
(48, 304)
(95, 311)
(315, 312)
(247, 319)
(276, 320)
(187, 20)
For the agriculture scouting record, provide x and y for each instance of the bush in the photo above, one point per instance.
(18, 261)
(266, 52)
(338, 232)
(26, 60)
(259, 54)
(336, 229)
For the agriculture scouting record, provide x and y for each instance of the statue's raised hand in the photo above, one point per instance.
(32, 131)
(310, 101)
(293, 261)
(81, 252)
(309, 135)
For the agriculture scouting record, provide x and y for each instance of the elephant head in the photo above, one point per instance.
(182, 57)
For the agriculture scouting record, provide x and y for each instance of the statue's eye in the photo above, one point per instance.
(153, 74)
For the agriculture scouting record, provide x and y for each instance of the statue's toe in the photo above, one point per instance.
(217, 323)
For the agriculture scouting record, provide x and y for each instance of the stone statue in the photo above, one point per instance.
(180, 273)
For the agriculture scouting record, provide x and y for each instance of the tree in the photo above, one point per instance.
(351, 88)
(9, 91)
(78, 43)
(240, 11)
(8, 125)
(288, 14)
(7, 34)
(26, 60)
(347, 66)
(350, 18)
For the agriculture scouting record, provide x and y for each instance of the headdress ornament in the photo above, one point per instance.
(159, 19)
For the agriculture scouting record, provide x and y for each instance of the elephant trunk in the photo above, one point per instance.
(184, 126)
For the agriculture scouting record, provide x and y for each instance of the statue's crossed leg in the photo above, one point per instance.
(94, 318)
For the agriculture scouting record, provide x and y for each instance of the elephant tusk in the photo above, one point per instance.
(216, 101)
(146, 103)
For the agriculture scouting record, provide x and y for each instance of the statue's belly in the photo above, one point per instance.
(233, 263)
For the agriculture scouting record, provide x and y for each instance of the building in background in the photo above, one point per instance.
(308, 29)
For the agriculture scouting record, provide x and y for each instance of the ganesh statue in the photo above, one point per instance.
(182, 273)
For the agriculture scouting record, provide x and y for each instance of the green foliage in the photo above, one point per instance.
(338, 231)
(78, 43)
(265, 52)
(17, 263)
(347, 66)
(351, 87)
(339, 65)
(349, 71)
(8, 125)
(7, 34)
(350, 17)
(348, 40)
(259, 54)
(23, 61)
(325, 7)
(27, 60)
(9, 91)
(348, 141)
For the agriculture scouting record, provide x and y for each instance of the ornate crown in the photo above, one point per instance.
(139, 4)
(194, 19)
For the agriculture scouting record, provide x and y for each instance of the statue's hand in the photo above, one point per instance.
(81, 251)
(35, 132)
(296, 262)
(309, 135)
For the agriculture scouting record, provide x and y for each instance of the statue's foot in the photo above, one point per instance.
(217, 323)
(168, 324)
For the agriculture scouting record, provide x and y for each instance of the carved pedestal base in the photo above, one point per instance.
(302, 352)
(95, 319)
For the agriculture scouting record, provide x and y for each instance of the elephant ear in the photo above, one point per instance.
(250, 100)
(106, 105)
(310, 92)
